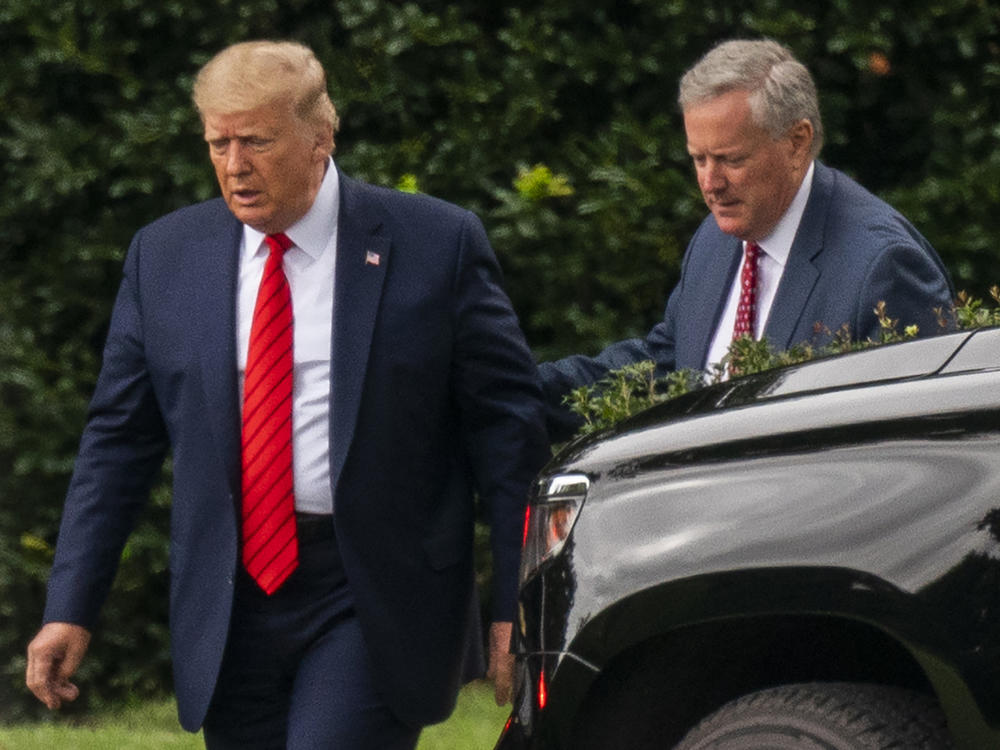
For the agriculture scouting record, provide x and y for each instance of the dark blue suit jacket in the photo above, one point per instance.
(851, 251)
(434, 397)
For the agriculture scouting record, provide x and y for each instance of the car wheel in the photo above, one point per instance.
(823, 716)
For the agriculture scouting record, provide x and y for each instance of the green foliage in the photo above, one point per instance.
(626, 391)
(554, 120)
(538, 183)
(635, 387)
(408, 183)
(971, 312)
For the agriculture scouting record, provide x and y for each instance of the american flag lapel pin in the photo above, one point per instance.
(372, 259)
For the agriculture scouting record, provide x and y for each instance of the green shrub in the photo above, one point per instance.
(636, 387)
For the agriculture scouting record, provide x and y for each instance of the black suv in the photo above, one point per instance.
(804, 558)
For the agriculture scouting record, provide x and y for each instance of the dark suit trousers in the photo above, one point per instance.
(296, 673)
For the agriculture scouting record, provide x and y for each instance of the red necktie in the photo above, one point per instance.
(270, 546)
(746, 312)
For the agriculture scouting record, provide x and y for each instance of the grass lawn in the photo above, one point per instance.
(475, 725)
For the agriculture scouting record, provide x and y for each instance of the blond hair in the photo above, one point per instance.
(249, 75)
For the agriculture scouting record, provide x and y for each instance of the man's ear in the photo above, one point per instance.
(800, 136)
(324, 144)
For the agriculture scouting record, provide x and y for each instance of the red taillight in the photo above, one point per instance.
(543, 691)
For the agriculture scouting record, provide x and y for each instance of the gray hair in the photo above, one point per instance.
(781, 90)
(249, 75)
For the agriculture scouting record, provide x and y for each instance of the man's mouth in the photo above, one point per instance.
(723, 205)
(245, 197)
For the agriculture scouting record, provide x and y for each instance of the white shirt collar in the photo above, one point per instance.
(312, 232)
(778, 244)
(777, 247)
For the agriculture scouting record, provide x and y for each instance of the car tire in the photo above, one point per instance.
(824, 716)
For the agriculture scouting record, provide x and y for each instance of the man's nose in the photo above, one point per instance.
(237, 159)
(712, 178)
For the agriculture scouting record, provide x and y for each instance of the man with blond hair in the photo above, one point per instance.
(335, 370)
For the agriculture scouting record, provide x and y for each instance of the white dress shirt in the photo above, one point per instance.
(771, 265)
(309, 267)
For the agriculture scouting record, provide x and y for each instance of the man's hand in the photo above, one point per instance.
(501, 665)
(53, 656)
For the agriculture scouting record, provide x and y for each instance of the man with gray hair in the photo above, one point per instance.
(792, 249)
(336, 372)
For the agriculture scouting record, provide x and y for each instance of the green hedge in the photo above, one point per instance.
(553, 119)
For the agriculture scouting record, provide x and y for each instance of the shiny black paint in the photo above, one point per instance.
(852, 502)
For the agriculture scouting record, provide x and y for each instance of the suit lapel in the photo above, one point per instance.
(695, 337)
(214, 290)
(785, 323)
(362, 262)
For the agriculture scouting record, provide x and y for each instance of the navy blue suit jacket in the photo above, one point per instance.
(851, 251)
(434, 397)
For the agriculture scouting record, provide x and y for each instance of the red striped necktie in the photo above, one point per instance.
(746, 312)
(270, 546)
